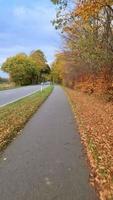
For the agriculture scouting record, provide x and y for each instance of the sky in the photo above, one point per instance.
(25, 25)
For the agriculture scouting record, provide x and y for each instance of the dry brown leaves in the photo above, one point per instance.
(95, 120)
(14, 116)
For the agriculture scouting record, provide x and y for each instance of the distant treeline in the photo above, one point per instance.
(27, 69)
(3, 80)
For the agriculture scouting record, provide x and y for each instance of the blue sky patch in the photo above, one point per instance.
(25, 25)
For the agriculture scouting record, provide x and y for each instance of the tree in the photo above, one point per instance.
(61, 2)
(45, 73)
(39, 57)
(22, 69)
(57, 68)
(88, 38)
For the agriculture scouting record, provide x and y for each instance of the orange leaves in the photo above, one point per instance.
(95, 120)
(89, 8)
(88, 42)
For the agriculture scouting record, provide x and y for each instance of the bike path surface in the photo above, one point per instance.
(47, 162)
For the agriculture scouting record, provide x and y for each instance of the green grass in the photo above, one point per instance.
(14, 116)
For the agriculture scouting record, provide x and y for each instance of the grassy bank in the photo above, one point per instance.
(6, 86)
(95, 122)
(14, 116)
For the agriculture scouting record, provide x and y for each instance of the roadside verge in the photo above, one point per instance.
(14, 116)
(95, 117)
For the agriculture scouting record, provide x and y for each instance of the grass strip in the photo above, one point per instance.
(14, 116)
(7, 86)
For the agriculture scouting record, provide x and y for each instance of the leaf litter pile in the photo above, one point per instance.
(14, 116)
(95, 122)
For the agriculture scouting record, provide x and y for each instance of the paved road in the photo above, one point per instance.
(8, 96)
(46, 162)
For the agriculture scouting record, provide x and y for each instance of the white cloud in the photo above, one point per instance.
(20, 12)
(29, 29)
(34, 12)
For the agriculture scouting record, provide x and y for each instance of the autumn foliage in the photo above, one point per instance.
(27, 69)
(85, 64)
(88, 44)
(95, 119)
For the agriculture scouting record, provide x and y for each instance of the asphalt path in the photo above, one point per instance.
(47, 161)
(8, 96)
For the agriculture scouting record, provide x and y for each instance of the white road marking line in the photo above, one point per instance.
(20, 98)
(5, 159)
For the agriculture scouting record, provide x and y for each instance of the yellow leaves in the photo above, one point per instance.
(39, 57)
(58, 67)
(89, 8)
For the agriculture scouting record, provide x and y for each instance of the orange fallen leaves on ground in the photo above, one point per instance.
(95, 120)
